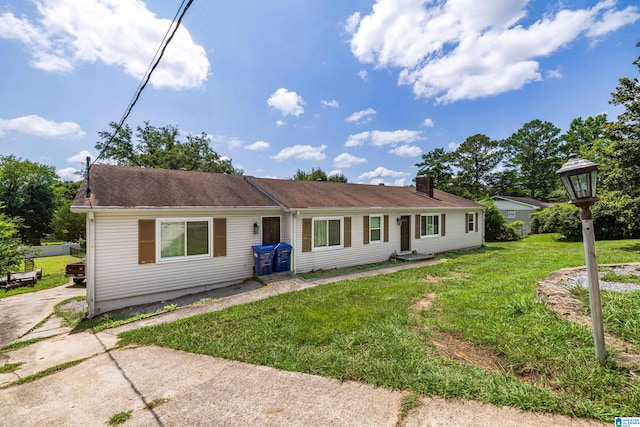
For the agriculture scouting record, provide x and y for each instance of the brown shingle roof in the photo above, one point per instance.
(130, 187)
(119, 186)
(315, 194)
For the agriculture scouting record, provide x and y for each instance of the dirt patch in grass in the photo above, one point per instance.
(424, 303)
(436, 280)
(465, 352)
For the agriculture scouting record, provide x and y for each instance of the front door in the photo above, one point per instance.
(405, 233)
(270, 230)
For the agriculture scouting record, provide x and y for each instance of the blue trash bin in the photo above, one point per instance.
(283, 257)
(263, 259)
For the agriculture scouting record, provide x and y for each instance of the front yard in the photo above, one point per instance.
(467, 328)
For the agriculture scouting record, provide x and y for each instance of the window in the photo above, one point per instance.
(327, 232)
(184, 238)
(429, 225)
(471, 224)
(511, 214)
(375, 229)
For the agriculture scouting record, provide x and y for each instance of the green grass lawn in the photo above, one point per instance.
(367, 330)
(52, 274)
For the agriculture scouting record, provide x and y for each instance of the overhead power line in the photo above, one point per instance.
(171, 31)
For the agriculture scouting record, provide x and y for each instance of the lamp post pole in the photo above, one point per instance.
(578, 177)
(594, 283)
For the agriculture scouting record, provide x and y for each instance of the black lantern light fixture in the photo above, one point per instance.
(578, 176)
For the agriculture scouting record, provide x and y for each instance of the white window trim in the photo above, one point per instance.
(313, 233)
(471, 215)
(381, 239)
(183, 258)
(430, 236)
(511, 214)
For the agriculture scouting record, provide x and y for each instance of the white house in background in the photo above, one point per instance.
(156, 234)
(519, 209)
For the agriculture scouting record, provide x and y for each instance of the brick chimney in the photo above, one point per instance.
(424, 185)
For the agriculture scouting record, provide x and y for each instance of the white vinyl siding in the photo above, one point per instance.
(120, 281)
(361, 253)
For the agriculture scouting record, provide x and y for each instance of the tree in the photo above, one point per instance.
(534, 151)
(12, 252)
(504, 183)
(317, 175)
(161, 148)
(437, 164)
(623, 172)
(27, 193)
(66, 225)
(475, 159)
(586, 138)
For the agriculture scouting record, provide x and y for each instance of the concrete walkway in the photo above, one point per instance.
(167, 387)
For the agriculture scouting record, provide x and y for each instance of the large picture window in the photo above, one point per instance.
(327, 232)
(185, 238)
(429, 225)
(375, 229)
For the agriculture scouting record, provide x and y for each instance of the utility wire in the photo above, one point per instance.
(145, 80)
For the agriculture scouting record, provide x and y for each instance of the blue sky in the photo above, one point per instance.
(362, 88)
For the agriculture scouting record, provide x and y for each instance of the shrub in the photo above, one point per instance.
(496, 227)
(563, 219)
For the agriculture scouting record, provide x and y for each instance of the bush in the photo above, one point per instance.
(615, 216)
(496, 227)
(563, 219)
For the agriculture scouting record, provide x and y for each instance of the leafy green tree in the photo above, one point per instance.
(437, 164)
(26, 190)
(317, 175)
(535, 153)
(161, 148)
(12, 252)
(476, 158)
(67, 226)
(504, 183)
(586, 138)
(623, 172)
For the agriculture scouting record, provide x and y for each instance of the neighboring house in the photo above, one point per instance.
(519, 209)
(156, 234)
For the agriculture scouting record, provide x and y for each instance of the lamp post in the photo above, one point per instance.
(578, 176)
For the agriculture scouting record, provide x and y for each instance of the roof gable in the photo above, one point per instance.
(533, 203)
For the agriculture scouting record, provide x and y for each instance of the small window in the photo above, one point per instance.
(375, 228)
(184, 238)
(511, 214)
(327, 232)
(471, 224)
(429, 225)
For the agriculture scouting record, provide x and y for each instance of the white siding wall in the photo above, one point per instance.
(359, 253)
(120, 281)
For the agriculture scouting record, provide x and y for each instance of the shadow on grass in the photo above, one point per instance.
(634, 247)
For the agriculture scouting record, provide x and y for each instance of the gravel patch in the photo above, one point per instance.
(580, 278)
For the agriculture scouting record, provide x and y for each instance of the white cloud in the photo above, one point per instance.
(257, 146)
(69, 174)
(333, 103)
(346, 160)
(357, 139)
(301, 152)
(230, 142)
(377, 176)
(553, 74)
(289, 103)
(37, 126)
(453, 146)
(406, 151)
(351, 24)
(280, 122)
(121, 33)
(334, 172)
(380, 138)
(363, 74)
(428, 123)
(466, 49)
(81, 157)
(361, 117)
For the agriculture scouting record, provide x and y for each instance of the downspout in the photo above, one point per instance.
(90, 264)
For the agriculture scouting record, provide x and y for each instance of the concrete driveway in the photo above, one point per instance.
(20, 313)
(165, 387)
